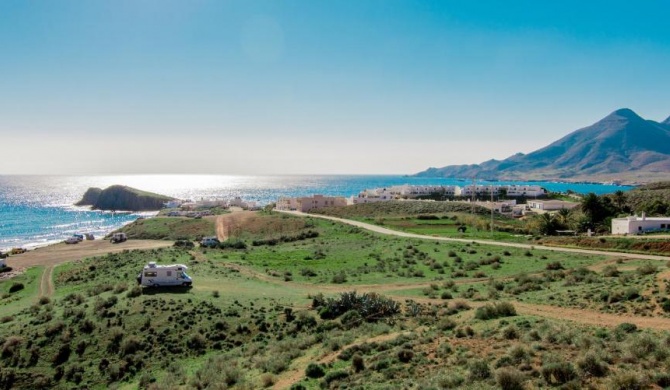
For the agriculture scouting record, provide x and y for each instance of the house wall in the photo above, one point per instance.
(633, 225)
(549, 205)
(306, 204)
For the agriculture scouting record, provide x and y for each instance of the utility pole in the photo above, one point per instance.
(474, 187)
(492, 210)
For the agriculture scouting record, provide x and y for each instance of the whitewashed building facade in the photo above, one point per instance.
(638, 225)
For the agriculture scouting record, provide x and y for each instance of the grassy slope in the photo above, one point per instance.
(170, 228)
(640, 198)
(233, 328)
(404, 216)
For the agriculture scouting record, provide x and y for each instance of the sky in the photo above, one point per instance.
(315, 87)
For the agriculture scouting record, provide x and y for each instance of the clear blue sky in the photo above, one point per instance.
(256, 87)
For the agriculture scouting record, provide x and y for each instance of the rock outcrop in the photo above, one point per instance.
(124, 198)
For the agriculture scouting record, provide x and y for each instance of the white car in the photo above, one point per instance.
(72, 240)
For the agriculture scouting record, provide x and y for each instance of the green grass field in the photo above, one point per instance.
(255, 317)
(170, 228)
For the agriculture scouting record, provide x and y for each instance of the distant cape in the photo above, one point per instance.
(622, 146)
(124, 198)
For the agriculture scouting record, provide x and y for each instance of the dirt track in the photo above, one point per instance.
(46, 288)
(228, 223)
(582, 316)
(383, 230)
(52, 255)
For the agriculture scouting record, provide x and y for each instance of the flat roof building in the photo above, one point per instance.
(639, 225)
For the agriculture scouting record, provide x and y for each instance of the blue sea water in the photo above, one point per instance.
(38, 210)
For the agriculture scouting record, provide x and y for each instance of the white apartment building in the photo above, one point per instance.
(401, 192)
(373, 196)
(407, 191)
(529, 191)
(478, 190)
(306, 204)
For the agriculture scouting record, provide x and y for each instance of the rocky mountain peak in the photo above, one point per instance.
(622, 114)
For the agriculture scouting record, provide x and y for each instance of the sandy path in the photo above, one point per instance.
(661, 278)
(46, 288)
(221, 229)
(61, 253)
(227, 224)
(590, 317)
(383, 230)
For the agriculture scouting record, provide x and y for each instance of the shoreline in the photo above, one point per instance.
(99, 234)
(42, 228)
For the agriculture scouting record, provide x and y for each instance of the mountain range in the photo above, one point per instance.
(620, 147)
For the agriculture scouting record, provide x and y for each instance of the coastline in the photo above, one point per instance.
(39, 211)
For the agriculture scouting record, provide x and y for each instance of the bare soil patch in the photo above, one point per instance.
(228, 225)
(61, 253)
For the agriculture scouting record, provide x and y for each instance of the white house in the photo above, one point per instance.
(373, 196)
(551, 205)
(636, 225)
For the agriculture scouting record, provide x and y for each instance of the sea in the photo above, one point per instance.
(39, 210)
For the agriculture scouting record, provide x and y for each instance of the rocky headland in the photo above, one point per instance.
(124, 198)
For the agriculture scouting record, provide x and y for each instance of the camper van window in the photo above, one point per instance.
(169, 273)
(150, 274)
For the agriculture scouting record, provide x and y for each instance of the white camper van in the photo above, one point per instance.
(154, 275)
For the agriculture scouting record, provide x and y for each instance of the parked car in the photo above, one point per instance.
(118, 237)
(209, 242)
(72, 240)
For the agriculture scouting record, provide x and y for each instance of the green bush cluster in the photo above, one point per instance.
(497, 310)
(370, 306)
(282, 239)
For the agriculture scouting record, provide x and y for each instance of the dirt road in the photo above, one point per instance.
(52, 255)
(227, 224)
(46, 288)
(383, 230)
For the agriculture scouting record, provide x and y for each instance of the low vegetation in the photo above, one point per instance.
(169, 228)
(333, 306)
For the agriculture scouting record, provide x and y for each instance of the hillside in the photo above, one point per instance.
(621, 146)
(125, 198)
(653, 198)
(346, 309)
